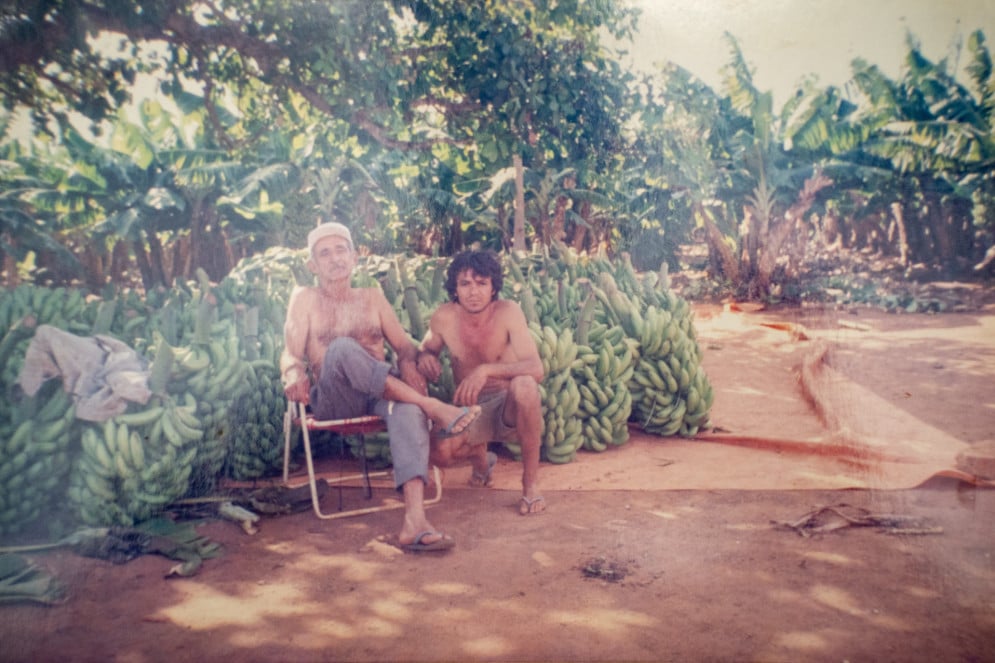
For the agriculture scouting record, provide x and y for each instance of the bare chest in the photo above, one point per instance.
(481, 344)
(354, 317)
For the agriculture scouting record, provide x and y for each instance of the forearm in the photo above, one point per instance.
(407, 352)
(509, 370)
(292, 369)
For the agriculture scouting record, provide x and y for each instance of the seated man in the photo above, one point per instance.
(495, 364)
(336, 333)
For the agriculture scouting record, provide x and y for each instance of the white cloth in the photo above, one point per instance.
(102, 372)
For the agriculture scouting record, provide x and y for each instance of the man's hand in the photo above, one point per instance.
(412, 376)
(469, 389)
(299, 391)
(429, 366)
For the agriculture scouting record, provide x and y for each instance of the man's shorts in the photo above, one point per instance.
(490, 426)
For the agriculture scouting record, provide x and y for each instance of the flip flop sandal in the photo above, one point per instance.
(445, 543)
(466, 413)
(483, 479)
(529, 503)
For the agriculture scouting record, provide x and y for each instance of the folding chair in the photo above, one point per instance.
(360, 426)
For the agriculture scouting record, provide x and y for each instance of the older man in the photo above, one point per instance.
(334, 358)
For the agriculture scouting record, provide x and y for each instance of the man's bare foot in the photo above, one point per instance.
(531, 505)
(454, 420)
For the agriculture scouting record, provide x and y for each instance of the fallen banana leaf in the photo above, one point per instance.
(21, 580)
(160, 536)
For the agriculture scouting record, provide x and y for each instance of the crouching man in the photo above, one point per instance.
(495, 364)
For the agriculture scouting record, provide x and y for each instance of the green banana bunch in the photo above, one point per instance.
(606, 402)
(562, 429)
(253, 436)
(131, 466)
(557, 350)
(36, 459)
(670, 391)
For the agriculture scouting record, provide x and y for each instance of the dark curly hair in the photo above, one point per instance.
(482, 263)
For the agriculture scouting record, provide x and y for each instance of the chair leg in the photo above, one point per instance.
(312, 481)
(288, 424)
(364, 465)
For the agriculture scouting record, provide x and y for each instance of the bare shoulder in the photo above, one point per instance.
(372, 295)
(445, 313)
(303, 294)
(509, 310)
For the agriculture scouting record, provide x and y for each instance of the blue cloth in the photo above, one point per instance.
(351, 384)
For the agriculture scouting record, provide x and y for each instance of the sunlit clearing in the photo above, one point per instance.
(488, 647)
(832, 558)
(391, 609)
(784, 596)
(204, 608)
(348, 567)
(543, 559)
(379, 627)
(601, 619)
(747, 391)
(803, 640)
(447, 588)
(834, 597)
(747, 527)
(922, 592)
(665, 515)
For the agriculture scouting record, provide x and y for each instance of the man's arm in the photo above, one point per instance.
(293, 362)
(523, 346)
(430, 349)
(404, 348)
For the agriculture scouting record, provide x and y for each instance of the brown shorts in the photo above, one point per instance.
(490, 425)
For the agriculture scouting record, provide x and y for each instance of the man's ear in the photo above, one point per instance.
(311, 266)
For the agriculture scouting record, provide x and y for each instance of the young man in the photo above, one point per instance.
(495, 364)
(334, 359)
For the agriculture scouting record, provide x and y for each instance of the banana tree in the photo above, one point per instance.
(42, 195)
(772, 186)
(917, 152)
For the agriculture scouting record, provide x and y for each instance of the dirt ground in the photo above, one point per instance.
(661, 550)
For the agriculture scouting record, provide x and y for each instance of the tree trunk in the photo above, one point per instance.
(943, 246)
(456, 235)
(11, 277)
(518, 238)
(181, 258)
(580, 231)
(157, 267)
(903, 238)
(120, 262)
(142, 260)
(558, 232)
(749, 241)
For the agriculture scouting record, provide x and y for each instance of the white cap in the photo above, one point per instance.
(330, 229)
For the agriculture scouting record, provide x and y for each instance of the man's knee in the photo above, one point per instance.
(407, 416)
(442, 453)
(448, 451)
(524, 392)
